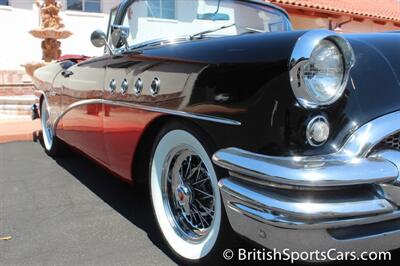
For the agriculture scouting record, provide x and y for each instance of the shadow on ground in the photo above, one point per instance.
(132, 202)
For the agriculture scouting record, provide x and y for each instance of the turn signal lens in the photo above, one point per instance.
(317, 131)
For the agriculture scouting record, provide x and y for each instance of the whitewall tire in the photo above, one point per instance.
(51, 143)
(185, 195)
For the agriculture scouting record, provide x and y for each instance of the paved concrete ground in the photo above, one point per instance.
(70, 211)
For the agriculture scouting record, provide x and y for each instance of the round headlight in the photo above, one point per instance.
(319, 68)
(323, 74)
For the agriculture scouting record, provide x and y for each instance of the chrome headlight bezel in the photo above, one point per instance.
(301, 55)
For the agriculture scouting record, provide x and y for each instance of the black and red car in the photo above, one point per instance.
(238, 124)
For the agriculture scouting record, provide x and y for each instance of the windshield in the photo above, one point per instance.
(150, 20)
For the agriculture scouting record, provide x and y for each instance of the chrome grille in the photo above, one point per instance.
(391, 142)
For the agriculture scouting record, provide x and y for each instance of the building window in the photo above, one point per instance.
(84, 5)
(3, 2)
(161, 9)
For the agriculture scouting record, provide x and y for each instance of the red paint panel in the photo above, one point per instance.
(82, 128)
(123, 128)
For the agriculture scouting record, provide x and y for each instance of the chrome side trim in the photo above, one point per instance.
(210, 118)
(71, 107)
(312, 173)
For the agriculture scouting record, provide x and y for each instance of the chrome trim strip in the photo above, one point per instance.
(210, 118)
(312, 173)
(71, 107)
(214, 119)
(364, 139)
(287, 203)
(281, 211)
(276, 220)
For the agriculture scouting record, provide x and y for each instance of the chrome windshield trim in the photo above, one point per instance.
(123, 7)
(210, 118)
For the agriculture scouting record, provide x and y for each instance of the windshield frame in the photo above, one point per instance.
(113, 13)
(125, 4)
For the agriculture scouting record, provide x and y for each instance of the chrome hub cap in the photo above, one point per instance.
(188, 194)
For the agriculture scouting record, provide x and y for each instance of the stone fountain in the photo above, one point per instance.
(51, 30)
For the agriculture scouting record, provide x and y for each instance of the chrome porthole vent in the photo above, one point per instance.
(155, 87)
(188, 194)
(124, 86)
(138, 87)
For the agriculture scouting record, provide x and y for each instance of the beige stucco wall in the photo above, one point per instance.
(305, 22)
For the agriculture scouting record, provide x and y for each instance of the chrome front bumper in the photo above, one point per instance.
(348, 200)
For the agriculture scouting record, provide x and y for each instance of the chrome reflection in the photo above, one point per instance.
(209, 118)
(307, 173)
(302, 53)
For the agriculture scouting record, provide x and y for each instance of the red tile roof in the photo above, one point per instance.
(375, 9)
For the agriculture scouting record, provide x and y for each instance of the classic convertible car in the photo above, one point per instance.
(238, 124)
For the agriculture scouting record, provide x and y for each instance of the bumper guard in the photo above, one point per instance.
(348, 200)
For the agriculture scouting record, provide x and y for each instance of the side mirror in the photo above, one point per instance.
(119, 36)
(98, 38)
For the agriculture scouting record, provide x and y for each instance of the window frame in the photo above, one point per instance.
(84, 9)
(111, 20)
(161, 17)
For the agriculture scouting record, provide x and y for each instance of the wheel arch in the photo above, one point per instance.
(142, 153)
(41, 99)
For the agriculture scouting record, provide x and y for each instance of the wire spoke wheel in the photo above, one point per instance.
(188, 194)
(185, 195)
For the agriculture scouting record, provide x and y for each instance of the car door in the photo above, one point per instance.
(82, 122)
